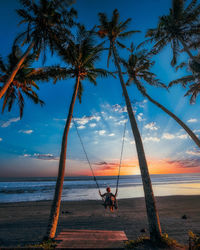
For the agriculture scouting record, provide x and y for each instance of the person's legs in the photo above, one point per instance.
(115, 204)
(111, 208)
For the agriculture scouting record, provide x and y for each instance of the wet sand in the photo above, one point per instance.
(25, 222)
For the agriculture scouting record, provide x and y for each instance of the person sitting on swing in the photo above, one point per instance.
(110, 199)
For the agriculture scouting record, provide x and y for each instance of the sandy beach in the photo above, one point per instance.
(25, 223)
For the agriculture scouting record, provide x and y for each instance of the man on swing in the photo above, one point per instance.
(110, 199)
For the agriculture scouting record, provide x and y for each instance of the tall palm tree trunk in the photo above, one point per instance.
(15, 70)
(182, 124)
(152, 214)
(55, 208)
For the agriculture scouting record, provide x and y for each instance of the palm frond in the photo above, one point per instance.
(191, 6)
(115, 18)
(121, 45)
(181, 65)
(103, 19)
(124, 25)
(194, 90)
(92, 78)
(2, 65)
(183, 80)
(102, 72)
(128, 33)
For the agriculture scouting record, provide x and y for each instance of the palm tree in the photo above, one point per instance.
(45, 20)
(180, 27)
(193, 78)
(138, 68)
(114, 30)
(80, 55)
(24, 82)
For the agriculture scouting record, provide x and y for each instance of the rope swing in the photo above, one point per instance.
(89, 163)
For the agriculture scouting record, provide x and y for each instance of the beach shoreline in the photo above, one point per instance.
(24, 223)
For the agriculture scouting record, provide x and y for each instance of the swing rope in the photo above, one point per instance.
(86, 154)
(89, 163)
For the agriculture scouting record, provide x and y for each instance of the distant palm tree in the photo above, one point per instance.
(180, 27)
(80, 55)
(24, 82)
(138, 68)
(45, 20)
(114, 30)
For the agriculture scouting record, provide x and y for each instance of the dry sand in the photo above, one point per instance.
(25, 222)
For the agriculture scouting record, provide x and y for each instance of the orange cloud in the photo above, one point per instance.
(156, 166)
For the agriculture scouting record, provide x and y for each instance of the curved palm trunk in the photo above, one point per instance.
(55, 208)
(15, 70)
(152, 214)
(182, 124)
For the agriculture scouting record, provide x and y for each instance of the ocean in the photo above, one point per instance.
(84, 188)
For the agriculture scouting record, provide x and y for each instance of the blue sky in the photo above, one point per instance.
(31, 146)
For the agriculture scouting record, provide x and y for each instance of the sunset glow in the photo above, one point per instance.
(31, 146)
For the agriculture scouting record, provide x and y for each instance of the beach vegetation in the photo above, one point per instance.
(144, 242)
(194, 241)
(49, 244)
(193, 80)
(24, 83)
(115, 30)
(46, 21)
(138, 67)
(180, 29)
(177, 28)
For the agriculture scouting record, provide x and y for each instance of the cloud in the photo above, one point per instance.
(92, 125)
(192, 120)
(27, 155)
(112, 134)
(103, 166)
(140, 117)
(101, 132)
(41, 156)
(81, 127)
(118, 108)
(122, 122)
(106, 163)
(85, 119)
(141, 103)
(6, 124)
(28, 132)
(184, 136)
(129, 140)
(196, 153)
(186, 163)
(196, 130)
(1, 139)
(110, 117)
(168, 136)
(151, 126)
(151, 138)
(44, 156)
